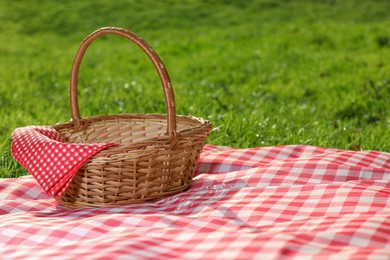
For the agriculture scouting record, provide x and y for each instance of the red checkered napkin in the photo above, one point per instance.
(53, 163)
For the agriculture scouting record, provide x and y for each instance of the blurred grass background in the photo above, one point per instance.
(263, 72)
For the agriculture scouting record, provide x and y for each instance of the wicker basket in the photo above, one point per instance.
(156, 153)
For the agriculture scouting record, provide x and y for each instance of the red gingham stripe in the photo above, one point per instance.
(295, 202)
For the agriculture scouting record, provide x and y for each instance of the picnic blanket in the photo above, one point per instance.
(295, 202)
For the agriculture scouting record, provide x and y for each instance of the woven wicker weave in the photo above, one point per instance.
(156, 155)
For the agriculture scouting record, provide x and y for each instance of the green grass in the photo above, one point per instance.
(263, 72)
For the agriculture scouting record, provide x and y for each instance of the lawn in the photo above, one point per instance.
(263, 72)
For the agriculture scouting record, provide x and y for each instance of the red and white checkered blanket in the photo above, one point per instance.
(300, 202)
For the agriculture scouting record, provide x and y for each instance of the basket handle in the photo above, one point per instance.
(159, 66)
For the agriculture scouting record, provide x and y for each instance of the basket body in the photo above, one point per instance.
(146, 165)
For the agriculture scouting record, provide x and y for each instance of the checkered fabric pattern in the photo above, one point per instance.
(53, 163)
(284, 202)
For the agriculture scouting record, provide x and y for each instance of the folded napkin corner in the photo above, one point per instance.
(53, 163)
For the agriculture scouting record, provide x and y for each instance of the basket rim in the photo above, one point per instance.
(194, 124)
(153, 116)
